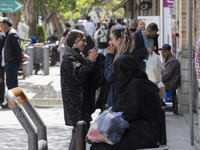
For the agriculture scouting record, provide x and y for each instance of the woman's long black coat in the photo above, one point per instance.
(75, 75)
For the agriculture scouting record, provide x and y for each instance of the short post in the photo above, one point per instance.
(25, 68)
(62, 51)
(34, 116)
(81, 132)
(46, 60)
(30, 52)
(24, 121)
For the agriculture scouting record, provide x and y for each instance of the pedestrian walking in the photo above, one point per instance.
(68, 26)
(90, 27)
(133, 25)
(141, 25)
(13, 53)
(102, 38)
(89, 40)
(146, 41)
(76, 72)
(2, 65)
(119, 21)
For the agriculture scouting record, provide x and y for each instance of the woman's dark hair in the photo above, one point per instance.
(73, 37)
(127, 41)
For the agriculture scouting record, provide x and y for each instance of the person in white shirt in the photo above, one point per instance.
(90, 27)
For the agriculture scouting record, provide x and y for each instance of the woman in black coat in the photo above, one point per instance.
(75, 74)
(140, 103)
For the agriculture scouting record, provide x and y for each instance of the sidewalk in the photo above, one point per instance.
(44, 91)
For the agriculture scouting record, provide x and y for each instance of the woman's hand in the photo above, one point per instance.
(111, 49)
(93, 55)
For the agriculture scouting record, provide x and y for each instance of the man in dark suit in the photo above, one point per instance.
(146, 41)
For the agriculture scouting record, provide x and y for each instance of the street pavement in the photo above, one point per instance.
(45, 94)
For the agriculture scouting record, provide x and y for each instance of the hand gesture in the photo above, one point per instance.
(93, 55)
(111, 49)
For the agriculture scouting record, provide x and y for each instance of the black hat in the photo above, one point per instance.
(7, 20)
(165, 47)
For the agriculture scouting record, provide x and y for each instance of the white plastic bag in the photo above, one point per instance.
(108, 127)
(161, 87)
(153, 68)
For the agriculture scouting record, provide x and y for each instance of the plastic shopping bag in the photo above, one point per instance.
(108, 127)
(153, 68)
(161, 87)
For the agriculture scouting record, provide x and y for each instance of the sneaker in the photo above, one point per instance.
(3, 106)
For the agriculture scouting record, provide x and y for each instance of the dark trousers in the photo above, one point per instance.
(11, 70)
(72, 145)
(2, 86)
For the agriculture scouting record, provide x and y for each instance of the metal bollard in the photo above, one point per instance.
(31, 56)
(62, 51)
(81, 132)
(41, 128)
(46, 60)
(25, 68)
(24, 120)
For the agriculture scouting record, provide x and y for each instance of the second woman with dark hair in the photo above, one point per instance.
(121, 42)
(76, 71)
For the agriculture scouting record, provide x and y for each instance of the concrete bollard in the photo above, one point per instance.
(30, 52)
(46, 59)
(25, 67)
(81, 132)
(62, 51)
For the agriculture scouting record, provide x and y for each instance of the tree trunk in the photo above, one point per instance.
(56, 25)
(30, 17)
(15, 17)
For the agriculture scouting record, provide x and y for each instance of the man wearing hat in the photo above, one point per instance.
(171, 73)
(13, 53)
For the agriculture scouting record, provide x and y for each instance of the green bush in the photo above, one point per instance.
(41, 34)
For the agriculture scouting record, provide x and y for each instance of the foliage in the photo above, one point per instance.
(41, 34)
(107, 10)
(81, 8)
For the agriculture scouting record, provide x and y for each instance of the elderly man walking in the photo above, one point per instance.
(13, 53)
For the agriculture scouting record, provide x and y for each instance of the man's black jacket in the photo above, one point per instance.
(140, 52)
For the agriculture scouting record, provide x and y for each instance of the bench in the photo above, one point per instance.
(161, 147)
(174, 107)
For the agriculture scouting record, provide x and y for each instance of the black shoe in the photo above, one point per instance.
(163, 103)
(3, 106)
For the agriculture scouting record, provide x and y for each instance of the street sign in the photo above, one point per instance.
(9, 6)
(23, 31)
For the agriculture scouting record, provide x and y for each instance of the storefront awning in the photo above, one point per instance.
(119, 5)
